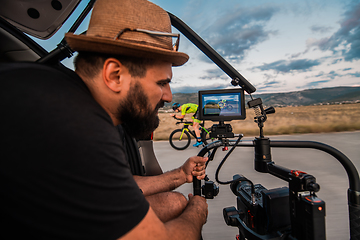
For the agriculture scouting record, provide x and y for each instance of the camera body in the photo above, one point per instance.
(278, 213)
(266, 211)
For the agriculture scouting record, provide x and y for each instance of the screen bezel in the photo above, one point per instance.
(221, 118)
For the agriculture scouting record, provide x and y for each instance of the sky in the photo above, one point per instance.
(278, 45)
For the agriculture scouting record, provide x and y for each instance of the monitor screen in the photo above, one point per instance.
(222, 105)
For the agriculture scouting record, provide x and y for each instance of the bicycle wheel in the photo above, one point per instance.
(179, 140)
(229, 107)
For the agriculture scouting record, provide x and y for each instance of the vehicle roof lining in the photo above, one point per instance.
(38, 18)
(16, 45)
(12, 49)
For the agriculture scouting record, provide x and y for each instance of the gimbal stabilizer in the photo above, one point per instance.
(283, 213)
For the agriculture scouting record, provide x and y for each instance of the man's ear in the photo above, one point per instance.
(112, 70)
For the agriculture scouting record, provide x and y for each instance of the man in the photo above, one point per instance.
(63, 170)
(189, 108)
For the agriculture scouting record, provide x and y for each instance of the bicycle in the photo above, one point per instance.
(224, 105)
(180, 138)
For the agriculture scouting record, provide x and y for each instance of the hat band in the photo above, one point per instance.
(153, 33)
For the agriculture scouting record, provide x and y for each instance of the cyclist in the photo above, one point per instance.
(189, 108)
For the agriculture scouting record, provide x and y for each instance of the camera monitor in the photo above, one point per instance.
(222, 105)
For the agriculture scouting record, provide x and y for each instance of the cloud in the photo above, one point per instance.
(295, 55)
(192, 89)
(236, 32)
(356, 74)
(335, 61)
(320, 29)
(329, 75)
(346, 41)
(332, 74)
(271, 84)
(320, 74)
(314, 84)
(286, 66)
(215, 73)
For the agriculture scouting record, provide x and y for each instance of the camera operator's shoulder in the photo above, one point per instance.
(38, 75)
(23, 68)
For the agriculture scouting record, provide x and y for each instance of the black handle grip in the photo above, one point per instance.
(354, 213)
(196, 186)
(197, 182)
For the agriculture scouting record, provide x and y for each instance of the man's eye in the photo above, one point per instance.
(163, 84)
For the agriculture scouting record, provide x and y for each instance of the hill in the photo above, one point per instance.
(286, 120)
(307, 97)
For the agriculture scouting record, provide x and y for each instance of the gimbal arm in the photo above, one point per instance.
(353, 176)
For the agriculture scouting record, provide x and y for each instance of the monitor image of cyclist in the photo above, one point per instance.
(221, 104)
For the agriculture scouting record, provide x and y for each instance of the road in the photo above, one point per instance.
(328, 171)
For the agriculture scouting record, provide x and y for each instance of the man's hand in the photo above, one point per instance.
(194, 166)
(172, 114)
(168, 181)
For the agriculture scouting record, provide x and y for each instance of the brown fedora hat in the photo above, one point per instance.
(135, 28)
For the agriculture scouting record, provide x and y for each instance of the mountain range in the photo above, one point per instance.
(334, 95)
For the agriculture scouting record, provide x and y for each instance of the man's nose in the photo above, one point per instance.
(167, 95)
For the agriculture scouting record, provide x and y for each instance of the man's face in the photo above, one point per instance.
(138, 111)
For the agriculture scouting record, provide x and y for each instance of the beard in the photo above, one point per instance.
(135, 113)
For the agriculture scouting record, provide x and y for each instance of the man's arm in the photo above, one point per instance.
(177, 116)
(180, 117)
(187, 226)
(194, 166)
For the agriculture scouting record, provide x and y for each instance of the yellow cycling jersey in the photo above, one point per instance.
(188, 108)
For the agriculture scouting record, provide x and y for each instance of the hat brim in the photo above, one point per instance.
(109, 46)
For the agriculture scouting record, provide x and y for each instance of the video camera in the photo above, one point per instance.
(293, 212)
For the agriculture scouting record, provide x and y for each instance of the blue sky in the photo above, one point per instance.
(278, 46)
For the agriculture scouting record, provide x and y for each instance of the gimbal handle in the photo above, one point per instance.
(197, 182)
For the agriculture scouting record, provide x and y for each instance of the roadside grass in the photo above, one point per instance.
(286, 120)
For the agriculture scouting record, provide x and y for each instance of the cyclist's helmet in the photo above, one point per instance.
(175, 106)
